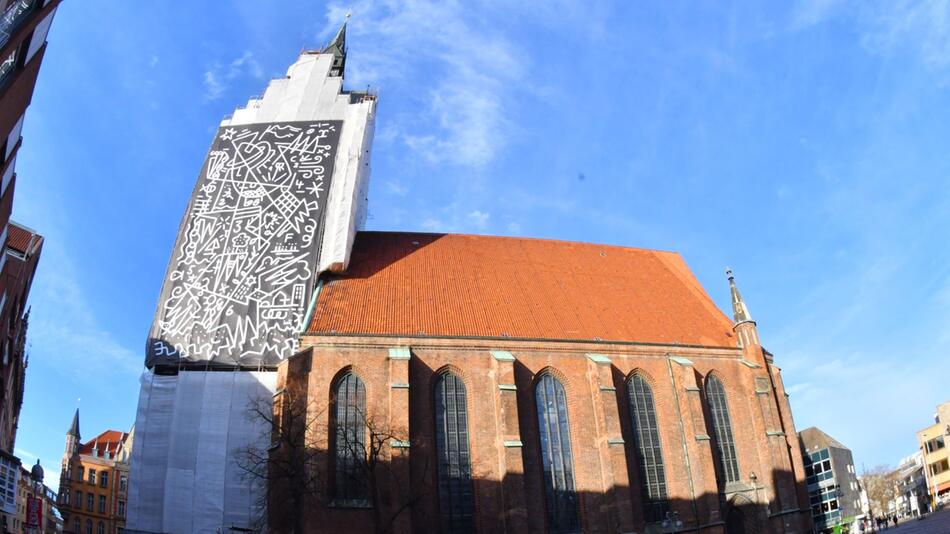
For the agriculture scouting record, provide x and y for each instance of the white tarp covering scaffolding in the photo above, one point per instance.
(190, 429)
(193, 412)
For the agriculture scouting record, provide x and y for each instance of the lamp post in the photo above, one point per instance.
(35, 512)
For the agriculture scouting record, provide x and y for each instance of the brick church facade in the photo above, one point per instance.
(527, 385)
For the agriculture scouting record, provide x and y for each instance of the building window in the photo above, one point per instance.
(80, 473)
(349, 446)
(77, 526)
(121, 508)
(89, 526)
(92, 477)
(102, 504)
(935, 444)
(722, 424)
(456, 498)
(939, 467)
(78, 502)
(556, 458)
(123, 483)
(649, 451)
(101, 529)
(90, 502)
(818, 467)
(104, 479)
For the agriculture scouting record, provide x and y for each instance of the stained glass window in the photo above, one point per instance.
(649, 451)
(349, 439)
(456, 499)
(557, 461)
(722, 424)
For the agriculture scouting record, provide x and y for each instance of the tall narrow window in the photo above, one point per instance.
(456, 499)
(556, 459)
(722, 424)
(349, 439)
(649, 451)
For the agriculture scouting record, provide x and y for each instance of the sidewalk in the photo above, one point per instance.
(936, 523)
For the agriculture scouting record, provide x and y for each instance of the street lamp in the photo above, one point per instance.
(35, 512)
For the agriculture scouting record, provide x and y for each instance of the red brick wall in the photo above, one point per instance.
(509, 491)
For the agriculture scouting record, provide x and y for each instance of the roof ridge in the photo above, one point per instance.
(517, 238)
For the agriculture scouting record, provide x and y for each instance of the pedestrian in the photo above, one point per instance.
(894, 519)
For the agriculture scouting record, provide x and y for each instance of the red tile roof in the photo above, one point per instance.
(19, 238)
(107, 441)
(482, 286)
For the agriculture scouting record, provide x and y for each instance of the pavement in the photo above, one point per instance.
(936, 523)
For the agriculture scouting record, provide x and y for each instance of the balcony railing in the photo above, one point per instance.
(15, 14)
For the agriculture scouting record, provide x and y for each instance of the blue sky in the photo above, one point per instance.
(804, 146)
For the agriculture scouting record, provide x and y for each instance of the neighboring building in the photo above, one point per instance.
(93, 485)
(279, 199)
(24, 25)
(49, 519)
(20, 255)
(912, 496)
(833, 489)
(529, 385)
(933, 445)
(9, 482)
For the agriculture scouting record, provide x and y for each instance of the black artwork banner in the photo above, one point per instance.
(244, 263)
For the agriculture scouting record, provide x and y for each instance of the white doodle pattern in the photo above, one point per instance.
(244, 262)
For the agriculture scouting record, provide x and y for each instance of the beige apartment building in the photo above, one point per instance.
(933, 444)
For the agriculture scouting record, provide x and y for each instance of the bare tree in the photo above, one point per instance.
(379, 463)
(287, 467)
(880, 483)
(368, 455)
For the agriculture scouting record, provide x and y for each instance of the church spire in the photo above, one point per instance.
(740, 313)
(337, 47)
(74, 428)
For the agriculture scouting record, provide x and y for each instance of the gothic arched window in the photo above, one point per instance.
(649, 451)
(349, 438)
(89, 526)
(556, 458)
(722, 424)
(456, 498)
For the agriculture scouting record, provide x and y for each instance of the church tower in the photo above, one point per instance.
(73, 441)
(278, 201)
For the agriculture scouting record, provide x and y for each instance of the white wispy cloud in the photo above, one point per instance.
(466, 67)
(218, 78)
(64, 322)
(397, 188)
(455, 218)
(479, 218)
(920, 28)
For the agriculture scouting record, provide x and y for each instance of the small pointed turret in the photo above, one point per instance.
(74, 428)
(337, 47)
(740, 313)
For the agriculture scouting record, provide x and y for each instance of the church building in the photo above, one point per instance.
(410, 382)
(529, 385)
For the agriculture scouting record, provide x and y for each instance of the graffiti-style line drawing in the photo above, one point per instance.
(244, 262)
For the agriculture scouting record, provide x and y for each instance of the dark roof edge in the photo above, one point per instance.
(518, 238)
(522, 339)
